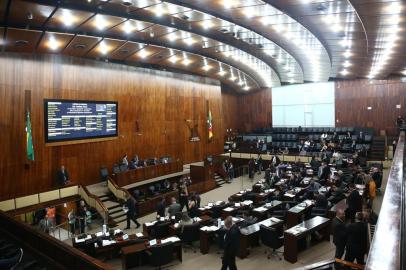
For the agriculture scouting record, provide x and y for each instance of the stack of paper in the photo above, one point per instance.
(260, 209)
(108, 242)
(150, 223)
(139, 234)
(274, 219)
(296, 230)
(228, 209)
(209, 228)
(247, 202)
(98, 234)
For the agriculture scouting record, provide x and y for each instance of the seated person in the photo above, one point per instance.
(185, 220)
(248, 220)
(132, 165)
(321, 201)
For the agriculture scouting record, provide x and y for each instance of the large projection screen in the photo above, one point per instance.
(68, 120)
(306, 105)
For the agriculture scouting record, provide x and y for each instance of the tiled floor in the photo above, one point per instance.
(257, 259)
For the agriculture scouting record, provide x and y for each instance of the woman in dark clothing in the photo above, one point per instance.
(183, 196)
(193, 209)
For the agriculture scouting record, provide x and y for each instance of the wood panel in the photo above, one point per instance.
(353, 97)
(230, 111)
(153, 106)
(255, 110)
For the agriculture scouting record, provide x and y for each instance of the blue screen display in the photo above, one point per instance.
(75, 120)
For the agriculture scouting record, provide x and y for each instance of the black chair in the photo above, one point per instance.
(189, 234)
(318, 211)
(270, 238)
(161, 230)
(160, 255)
(104, 173)
(116, 169)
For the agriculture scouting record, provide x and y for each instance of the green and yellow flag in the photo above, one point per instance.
(30, 146)
(210, 125)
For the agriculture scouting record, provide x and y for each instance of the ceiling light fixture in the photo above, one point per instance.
(103, 48)
(100, 22)
(344, 72)
(52, 43)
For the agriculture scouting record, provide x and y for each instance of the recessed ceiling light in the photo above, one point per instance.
(346, 64)
(103, 48)
(246, 88)
(52, 43)
(67, 18)
(347, 54)
(222, 73)
(100, 22)
(144, 53)
(128, 27)
(186, 62)
(404, 72)
(206, 67)
(207, 24)
(344, 72)
(173, 59)
(189, 41)
(232, 78)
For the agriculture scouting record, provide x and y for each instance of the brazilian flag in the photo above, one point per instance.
(30, 146)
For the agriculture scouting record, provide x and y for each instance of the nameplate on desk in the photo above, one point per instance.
(138, 234)
(228, 209)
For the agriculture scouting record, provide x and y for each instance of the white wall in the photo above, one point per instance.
(306, 105)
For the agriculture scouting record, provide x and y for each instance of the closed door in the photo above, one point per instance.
(308, 119)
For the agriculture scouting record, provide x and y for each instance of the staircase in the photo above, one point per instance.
(116, 213)
(377, 151)
(219, 179)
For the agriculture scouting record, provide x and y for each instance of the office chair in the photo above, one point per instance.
(161, 230)
(160, 254)
(189, 234)
(270, 238)
(318, 211)
(104, 173)
(116, 169)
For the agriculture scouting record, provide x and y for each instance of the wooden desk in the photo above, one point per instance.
(251, 232)
(296, 214)
(269, 208)
(204, 220)
(108, 251)
(131, 256)
(148, 172)
(291, 240)
(233, 212)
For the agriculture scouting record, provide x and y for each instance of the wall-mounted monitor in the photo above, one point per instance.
(69, 120)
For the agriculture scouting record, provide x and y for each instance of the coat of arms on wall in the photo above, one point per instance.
(194, 131)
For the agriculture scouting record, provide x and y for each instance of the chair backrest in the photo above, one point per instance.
(104, 173)
(161, 254)
(116, 169)
(161, 230)
(190, 233)
(269, 237)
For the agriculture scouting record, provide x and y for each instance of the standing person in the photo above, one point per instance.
(72, 221)
(193, 209)
(354, 202)
(339, 233)
(231, 244)
(131, 212)
(371, 189)
(174, 207)
(81, 216)
(251, 168)
(160, 208)
(62, 177)
(183, 196)
(394, 143)
(357, 240)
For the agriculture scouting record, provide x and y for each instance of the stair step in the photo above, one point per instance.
(117, 215)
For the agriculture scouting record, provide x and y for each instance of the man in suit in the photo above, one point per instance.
(339, 233)
(231, 244)
(160, 208)
(357, 240)
(321, 201)
(174, 207)
(354, 202)
(131, 212)
(62, 176)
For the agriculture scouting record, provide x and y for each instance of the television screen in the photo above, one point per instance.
(67, 120)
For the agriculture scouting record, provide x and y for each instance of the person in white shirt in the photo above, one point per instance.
(125, 160)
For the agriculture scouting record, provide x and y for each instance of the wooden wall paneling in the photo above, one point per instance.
(159, 101)
(353, 97)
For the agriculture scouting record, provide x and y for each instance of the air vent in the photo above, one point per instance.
(21, 42)
(184, 17)
(321, 7)
(124, 51)
(223, 30)
(79, 46)
(159, 56)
